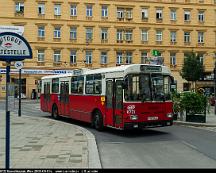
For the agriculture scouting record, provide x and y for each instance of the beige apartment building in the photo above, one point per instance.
(71, 34)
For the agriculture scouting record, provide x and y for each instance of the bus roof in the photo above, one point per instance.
(122, 68)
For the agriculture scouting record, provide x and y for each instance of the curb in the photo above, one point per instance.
(193, 124)
(94, 159)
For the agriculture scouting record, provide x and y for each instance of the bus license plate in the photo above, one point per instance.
(152, 118)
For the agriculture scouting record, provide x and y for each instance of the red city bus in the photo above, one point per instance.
(123, 97)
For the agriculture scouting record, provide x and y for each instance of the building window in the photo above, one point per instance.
(57, 56)
(120, 13)
(119, 35)
(144, 57)
(40, 55)
(57, 9)
(73, 33)
(200, 37)
(128, 57)
(57, 32)
(103, 57)
(159, 35)
(128, 35)
(187, 37)
(73, 10)
(144, 13)
(88, 57)
(73, 56)
(19, 7)
(119, 58)
(201, 16)
(144, 35)
(129, 14)
(159, 13)
(89, 34)
(104, 34)
(89, 10)
(41, 9)
(104, 11)
(173, 59)
(201, 58)
(173, 15)
(173, 36)
(41, 31)
(187, 16)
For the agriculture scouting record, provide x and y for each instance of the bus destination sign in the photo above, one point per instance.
(13, 47)
(150, 69)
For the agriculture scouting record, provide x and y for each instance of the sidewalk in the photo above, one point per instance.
(210, 120)
(46, 143)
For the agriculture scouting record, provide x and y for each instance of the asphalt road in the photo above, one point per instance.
(167, 147)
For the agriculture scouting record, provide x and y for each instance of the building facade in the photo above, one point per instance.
(71, 34)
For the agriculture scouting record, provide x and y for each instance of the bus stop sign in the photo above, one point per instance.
(14, 47)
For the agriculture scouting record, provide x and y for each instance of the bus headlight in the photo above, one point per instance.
(134, 117)
(169, 115)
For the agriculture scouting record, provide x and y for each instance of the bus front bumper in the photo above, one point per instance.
(150, 124)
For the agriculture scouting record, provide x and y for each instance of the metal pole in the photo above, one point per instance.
(215, 85)
(19, 109)
(7, 134)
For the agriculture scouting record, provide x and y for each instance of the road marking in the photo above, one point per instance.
(190, 145)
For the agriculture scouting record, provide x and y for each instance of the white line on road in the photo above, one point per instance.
(190, 145)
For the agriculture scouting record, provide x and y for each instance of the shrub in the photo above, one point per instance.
(194, 103)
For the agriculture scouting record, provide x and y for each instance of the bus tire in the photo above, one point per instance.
(98, 121)
(55, 114)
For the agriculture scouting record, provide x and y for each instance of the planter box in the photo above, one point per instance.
(198, 118)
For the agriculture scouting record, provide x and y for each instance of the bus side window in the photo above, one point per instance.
(74, 86)
(97, 87)
(80, 84)
(55, 85)
(93, 84)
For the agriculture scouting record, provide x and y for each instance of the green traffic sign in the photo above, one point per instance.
(155, 52)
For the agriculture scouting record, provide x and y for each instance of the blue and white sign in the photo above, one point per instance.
(14, 47)
(37, 71)
(18, 65)
(15, 29)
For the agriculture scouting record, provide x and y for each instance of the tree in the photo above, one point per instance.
(192, 69)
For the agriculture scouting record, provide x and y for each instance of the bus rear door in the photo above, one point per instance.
(64, 98)
(47, 96)
(114, 103)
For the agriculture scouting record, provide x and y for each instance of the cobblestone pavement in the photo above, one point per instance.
(46, 143)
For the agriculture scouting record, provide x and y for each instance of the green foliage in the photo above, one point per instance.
(177, 106)
(194, 103)
(192, 68)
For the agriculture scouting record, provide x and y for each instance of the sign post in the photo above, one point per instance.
(18, 65)
(7, 134)
(13, 47)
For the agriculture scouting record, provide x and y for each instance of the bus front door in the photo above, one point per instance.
(114, 103)
(64, 98)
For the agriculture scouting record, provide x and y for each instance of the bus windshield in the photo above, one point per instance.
(147, 87)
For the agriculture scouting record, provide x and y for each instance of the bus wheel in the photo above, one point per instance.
(55, 112)
(98, 121)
